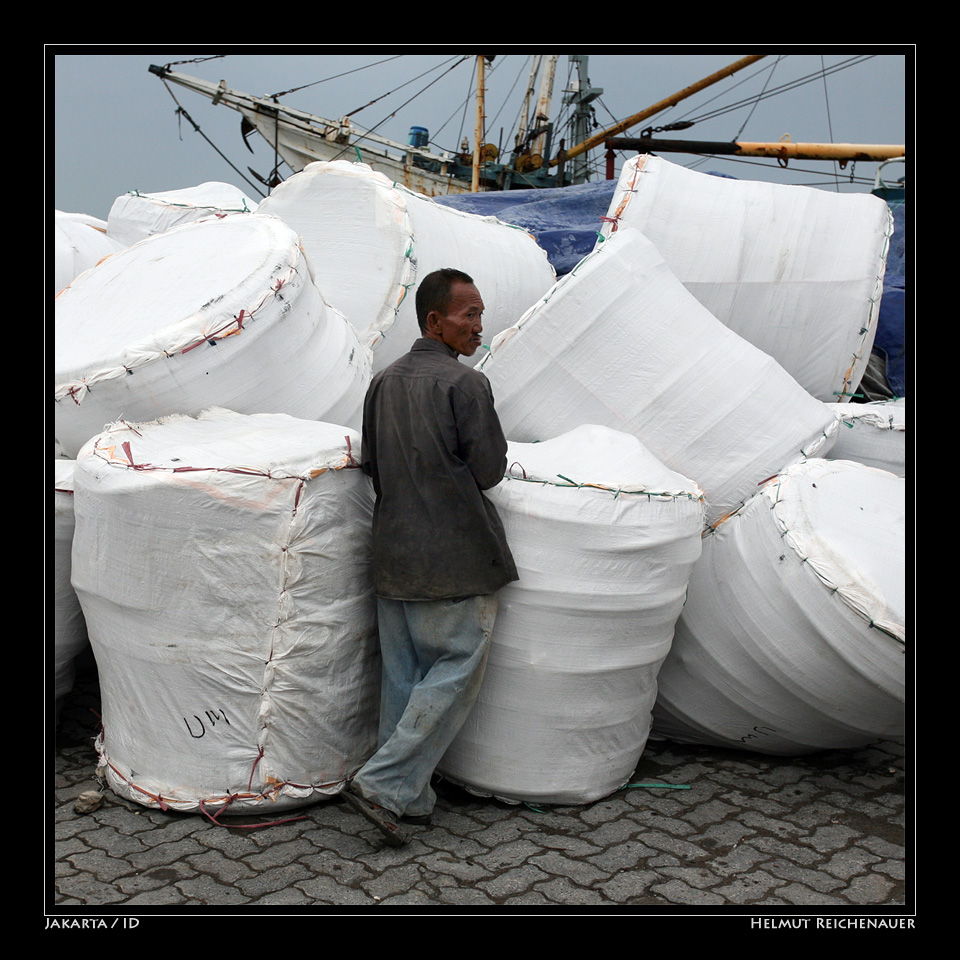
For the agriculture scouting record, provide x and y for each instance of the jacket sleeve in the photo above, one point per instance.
(483, 447)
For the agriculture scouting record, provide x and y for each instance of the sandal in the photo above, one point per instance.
(384, 820)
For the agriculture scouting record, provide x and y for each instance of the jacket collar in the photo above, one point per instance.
(426, 343)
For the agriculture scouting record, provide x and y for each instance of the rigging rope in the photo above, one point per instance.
(402, 105)
(826, 101)
(746, 119)
(336, 76)
(791, 85)
(182, 112)
(411, 80)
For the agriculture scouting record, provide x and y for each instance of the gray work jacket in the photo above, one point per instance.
(432, 442)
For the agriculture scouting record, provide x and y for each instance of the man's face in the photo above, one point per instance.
(459, 326)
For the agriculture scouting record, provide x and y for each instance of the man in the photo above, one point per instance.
(432, 443)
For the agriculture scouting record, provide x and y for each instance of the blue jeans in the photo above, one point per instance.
(434, 654)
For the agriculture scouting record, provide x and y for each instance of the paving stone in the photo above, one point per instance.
(811, 878)
(328, 890)
(621, 856)
(753, 832)
(562, 890)
(630, 886)
(751, 889)
(579, 871)
(513, 881)
(280, 854)
(207, 890)
(871, 889)
(798, 894)
(101, 865)
(214, 864)
(465, 897)
(287, 897)
(849, 863)
(466, 871)
(275, 878)
(679, 892)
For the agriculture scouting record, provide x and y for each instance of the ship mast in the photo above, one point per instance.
(588, 143)
(581, 95)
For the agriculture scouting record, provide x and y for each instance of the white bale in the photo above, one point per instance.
(792, 638)
(215, 313)
(69, 628)
(223, 567)
(79, 243)
(370, 242)
(135, 216)
(604, 537)
(620, 342)
(796, 271)
(873, 433)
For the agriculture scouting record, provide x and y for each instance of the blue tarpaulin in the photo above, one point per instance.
(890, 342)
(564, 220)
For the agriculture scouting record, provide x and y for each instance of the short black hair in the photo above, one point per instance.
(433, 292)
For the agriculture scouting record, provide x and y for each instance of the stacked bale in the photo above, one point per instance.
(218, 312)
(69, 628)
(79, 243)
(222, 564)
(620, 342)
(604, 537)
(795, 271)
(136, 216)
(792, 638)
(874, 434)
(371, 241)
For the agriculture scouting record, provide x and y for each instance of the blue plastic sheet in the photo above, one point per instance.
(890, 342)
(564, 220)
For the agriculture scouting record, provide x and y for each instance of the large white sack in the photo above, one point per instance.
(371, 241)
(604, 537)
(223, 567)
(136, 216)
(79, 243)
(793, 635)
(620, 342)
(873, 433)
(214, 313)
(69, 628)
(796, 271)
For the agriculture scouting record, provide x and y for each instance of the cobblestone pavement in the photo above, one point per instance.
(748, 834)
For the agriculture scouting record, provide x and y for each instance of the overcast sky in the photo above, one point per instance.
(115, 127)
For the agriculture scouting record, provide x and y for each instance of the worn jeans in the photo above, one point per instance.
(434, 654)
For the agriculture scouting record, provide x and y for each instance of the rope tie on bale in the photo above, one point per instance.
(350, 461)
(614, 491)
(225, 801)
(219, 333)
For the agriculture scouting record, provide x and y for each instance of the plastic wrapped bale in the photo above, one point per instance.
(136, 216)
(69, 628)
(620, 342)
(604, 537)
(79, 243)
(793, 635)
(222, 564)
(214, 313)
(371, 241)
(796, 271)
(874, 434)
